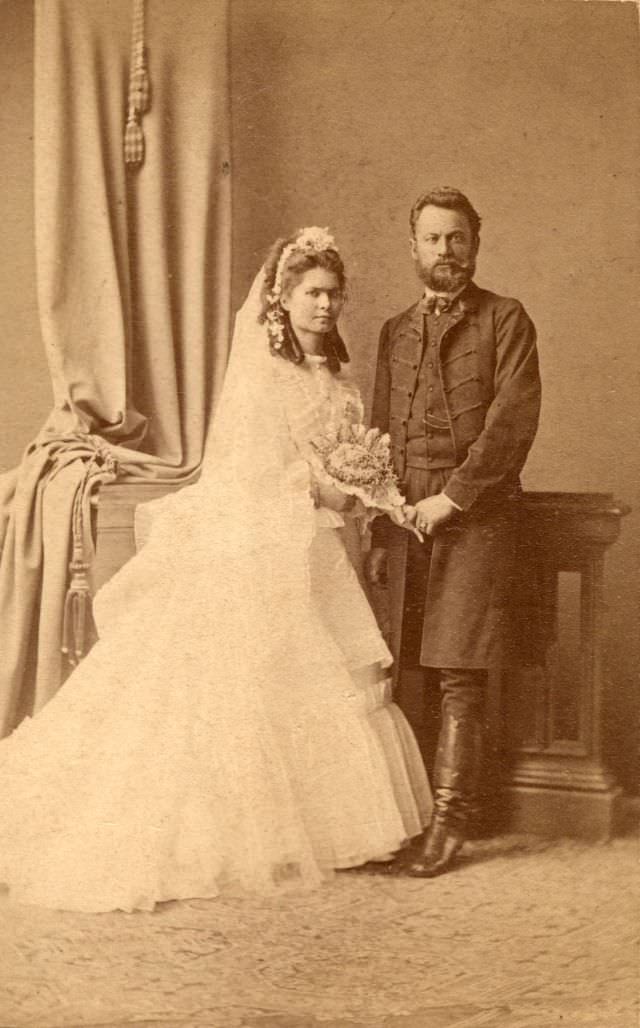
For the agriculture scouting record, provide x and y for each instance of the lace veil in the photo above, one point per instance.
(250, 515)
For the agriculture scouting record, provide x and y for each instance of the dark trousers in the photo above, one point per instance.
(455, 692)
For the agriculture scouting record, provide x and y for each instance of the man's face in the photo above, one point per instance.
(444, 249)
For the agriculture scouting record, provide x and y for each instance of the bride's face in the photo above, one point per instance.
(314, 303)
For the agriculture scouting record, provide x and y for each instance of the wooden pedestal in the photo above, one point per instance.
(115, 539)
(556, 781)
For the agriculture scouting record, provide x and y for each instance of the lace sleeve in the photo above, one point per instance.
(314, 402)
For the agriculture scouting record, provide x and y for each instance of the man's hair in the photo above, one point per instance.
(452, 200)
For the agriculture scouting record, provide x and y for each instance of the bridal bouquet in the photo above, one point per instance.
(357, 461)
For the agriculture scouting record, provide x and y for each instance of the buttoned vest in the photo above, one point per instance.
(430, 441)
(459, 394)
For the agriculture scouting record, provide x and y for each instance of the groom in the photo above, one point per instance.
(458, 389)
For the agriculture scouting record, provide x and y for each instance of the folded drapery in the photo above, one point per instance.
(133, 290)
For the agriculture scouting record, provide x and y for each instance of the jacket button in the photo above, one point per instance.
(430, 364)
(430, 388)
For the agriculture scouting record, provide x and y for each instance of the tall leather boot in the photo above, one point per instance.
(457, 770)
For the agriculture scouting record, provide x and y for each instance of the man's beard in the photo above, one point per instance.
(447, 276)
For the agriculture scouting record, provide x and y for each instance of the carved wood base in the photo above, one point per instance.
(569, 774)
(558, 813)
(557, 783)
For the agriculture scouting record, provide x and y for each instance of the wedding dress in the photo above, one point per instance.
(231, 728)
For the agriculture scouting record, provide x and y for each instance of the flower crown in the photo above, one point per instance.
(308, 240)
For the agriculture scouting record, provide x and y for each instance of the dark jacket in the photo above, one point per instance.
(459, 580)
(488, 367)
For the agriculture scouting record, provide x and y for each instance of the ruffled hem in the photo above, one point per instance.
(80, 851)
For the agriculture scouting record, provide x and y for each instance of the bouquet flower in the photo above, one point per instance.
(357, 461)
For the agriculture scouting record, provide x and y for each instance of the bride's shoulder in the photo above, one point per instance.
(350, 398)
(291, 383)
(345, 380)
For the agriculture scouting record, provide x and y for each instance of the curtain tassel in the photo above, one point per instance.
(133, 140)
(77, 618)
(77, 608)
(139, 90)
(139, 86)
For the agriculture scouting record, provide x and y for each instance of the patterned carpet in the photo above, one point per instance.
(525, 934)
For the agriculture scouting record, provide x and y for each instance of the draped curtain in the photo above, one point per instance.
(133, 268)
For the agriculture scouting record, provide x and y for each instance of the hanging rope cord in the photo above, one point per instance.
(101, 466)
(139, 90)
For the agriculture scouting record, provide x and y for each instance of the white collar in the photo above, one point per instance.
(445, 296)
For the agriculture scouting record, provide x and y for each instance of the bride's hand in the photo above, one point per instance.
(326, 495)
(410, 513)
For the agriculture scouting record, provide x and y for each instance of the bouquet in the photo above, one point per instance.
(357, 461)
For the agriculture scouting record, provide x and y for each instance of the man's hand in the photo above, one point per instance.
(375, 566)
(433, 512)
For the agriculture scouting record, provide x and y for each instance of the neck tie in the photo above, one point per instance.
(438, 304)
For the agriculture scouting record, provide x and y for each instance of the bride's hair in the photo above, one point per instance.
(295, 265)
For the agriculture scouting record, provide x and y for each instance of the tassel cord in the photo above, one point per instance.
(139, 91)
(100, 468)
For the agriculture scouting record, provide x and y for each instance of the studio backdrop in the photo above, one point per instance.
(133, 269)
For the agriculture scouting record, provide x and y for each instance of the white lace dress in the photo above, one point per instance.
(232, 728)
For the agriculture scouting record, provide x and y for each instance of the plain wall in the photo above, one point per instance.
(343, 112)
(25, 389)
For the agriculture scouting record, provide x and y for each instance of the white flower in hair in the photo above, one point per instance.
(315, 239)
(308, 240)
(275, 328)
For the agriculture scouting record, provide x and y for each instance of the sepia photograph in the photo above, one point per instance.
(320, 514)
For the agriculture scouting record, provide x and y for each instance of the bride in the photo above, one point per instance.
(232, 728)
